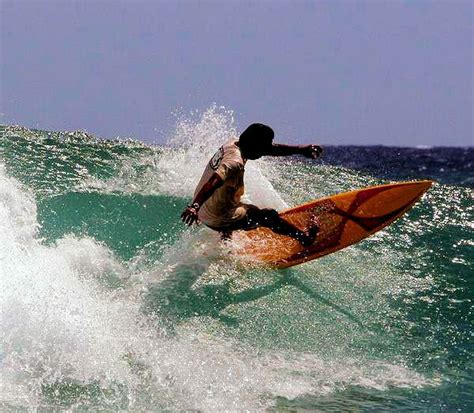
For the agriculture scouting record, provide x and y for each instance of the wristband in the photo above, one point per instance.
(195, 206)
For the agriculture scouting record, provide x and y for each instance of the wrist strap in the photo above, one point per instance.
(196, 206)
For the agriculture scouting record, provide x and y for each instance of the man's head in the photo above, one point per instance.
(256, 140)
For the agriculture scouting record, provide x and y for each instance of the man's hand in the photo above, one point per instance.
(190, 215)
(312, 151)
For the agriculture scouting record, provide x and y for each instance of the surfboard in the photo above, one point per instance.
(343, 220)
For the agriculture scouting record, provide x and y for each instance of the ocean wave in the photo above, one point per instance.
(109, 302)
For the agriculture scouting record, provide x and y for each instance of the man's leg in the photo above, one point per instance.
(270, 218)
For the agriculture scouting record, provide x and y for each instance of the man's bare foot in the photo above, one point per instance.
(310, 237)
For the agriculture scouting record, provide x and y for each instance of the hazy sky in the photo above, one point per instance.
(342, 72)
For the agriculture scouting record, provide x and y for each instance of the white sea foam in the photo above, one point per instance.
(59, 324)
(54, 320)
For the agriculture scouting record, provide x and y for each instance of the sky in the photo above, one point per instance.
(388, 72)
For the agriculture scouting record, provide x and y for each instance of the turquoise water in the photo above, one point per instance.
(109, 302)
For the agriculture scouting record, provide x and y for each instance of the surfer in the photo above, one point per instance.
(216, 200)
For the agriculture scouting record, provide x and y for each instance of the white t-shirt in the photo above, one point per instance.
(224, 207)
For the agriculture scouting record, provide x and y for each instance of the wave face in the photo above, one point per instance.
(109, 302)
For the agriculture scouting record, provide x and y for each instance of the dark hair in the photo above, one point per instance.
(257, 135)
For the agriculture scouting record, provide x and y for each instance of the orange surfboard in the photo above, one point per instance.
(343, 220)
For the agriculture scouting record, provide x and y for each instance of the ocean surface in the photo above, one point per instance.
(108, 302)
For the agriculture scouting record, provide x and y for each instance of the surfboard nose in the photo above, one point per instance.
(386, 199)
(422, 186)
(425, 184)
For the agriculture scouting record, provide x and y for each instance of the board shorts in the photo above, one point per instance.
(254, 217)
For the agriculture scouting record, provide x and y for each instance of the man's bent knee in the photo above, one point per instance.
(269, 216)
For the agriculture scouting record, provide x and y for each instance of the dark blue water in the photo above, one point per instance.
(445, 165)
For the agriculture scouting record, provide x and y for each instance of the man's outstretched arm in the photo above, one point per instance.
(310, 151)
(190, 214)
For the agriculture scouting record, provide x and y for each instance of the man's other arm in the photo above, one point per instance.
(310, 151)
(190, 214)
